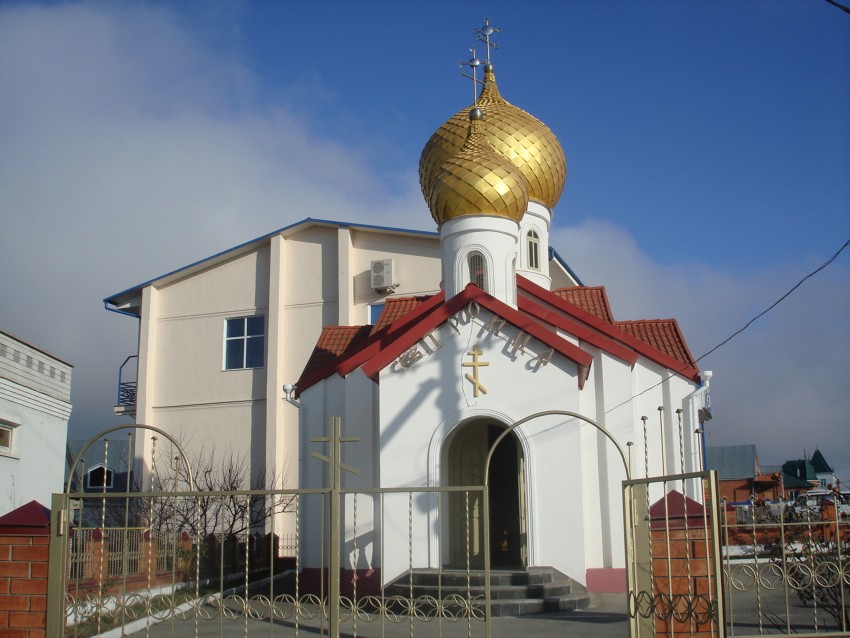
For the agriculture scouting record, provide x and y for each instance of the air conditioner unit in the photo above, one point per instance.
(381, 275)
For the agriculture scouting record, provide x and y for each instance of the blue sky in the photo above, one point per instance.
(707, 144)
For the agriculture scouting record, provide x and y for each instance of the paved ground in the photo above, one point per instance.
(605, 617)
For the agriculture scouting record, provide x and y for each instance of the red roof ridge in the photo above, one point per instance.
(473, 293)
(349, 361)
(648, 350)
(384, 346)
(593, 337)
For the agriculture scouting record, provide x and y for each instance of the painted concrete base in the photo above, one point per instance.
(606, 580)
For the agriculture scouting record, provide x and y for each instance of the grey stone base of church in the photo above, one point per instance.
(521, 592)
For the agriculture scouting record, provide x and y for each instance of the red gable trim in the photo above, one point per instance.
(592, 337)
(410, 336)
(368, 348)
(686, 370)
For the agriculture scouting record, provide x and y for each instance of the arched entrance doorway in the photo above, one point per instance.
(466, 460)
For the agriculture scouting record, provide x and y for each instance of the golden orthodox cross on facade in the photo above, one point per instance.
(477, 386)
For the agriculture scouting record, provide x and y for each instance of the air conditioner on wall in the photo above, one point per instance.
(381, 275)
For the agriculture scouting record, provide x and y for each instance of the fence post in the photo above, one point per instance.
(24, 538)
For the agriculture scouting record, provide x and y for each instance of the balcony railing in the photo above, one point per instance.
(127, 387)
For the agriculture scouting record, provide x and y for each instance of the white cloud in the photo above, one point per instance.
(137, 149)
(782, 383)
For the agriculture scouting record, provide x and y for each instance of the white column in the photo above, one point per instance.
(146, 376)
(345, 281)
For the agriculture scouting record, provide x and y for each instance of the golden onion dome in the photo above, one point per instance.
(516, 134)
(477, 181)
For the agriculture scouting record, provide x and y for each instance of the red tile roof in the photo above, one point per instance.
(404, 339)
(333, 343)
(396, 307)
(678, 359)
(593, 299)
(661, 334)
(583, 312)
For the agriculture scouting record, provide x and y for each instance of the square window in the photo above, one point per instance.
(375, 311)
(244, 343)
(7, 437)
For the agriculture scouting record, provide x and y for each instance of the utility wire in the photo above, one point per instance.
(840, 6)
(777, 302)
(739, 331)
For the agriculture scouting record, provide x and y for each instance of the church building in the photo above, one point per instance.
(427, 346)
(429, 388)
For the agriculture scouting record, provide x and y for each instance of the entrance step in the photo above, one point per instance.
(536, 590)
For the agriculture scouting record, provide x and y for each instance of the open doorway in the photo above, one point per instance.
(467, 455)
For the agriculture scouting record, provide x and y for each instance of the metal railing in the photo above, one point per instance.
(787, 570)
(127, 387)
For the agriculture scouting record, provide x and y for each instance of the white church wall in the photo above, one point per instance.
(495, 238)
(352, 400)
(536, 218)
(421, 404)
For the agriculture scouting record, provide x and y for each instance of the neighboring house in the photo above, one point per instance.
(35, 404)
(802, 475)
(740, 477)
(102, 469)
(824, 473)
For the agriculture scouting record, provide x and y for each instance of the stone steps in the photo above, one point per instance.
(536, 590)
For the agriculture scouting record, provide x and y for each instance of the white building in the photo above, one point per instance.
(482, 324)
(35, 404)
(429, 388)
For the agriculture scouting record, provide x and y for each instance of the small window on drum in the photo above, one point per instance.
(477, 270)
(533, 244)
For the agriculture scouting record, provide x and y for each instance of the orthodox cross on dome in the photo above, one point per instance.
(483, 34)
(477, 386)
(473, 63)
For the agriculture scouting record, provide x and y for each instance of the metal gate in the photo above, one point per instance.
(185, 562)
(673, 556)
(697, 566)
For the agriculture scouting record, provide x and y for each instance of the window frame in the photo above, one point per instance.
(10, 428)
(244, 338)
(480, 279)
(532, 247)
(108, 477)
(375, 310)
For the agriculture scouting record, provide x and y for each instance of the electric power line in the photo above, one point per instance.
(739, 331)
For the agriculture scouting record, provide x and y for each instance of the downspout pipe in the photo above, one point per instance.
(700, 393)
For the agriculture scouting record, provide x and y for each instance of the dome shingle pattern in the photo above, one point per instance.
(477, 181)
(514, 133)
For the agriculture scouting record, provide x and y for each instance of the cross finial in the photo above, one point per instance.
(484, 34)
(473, 63)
